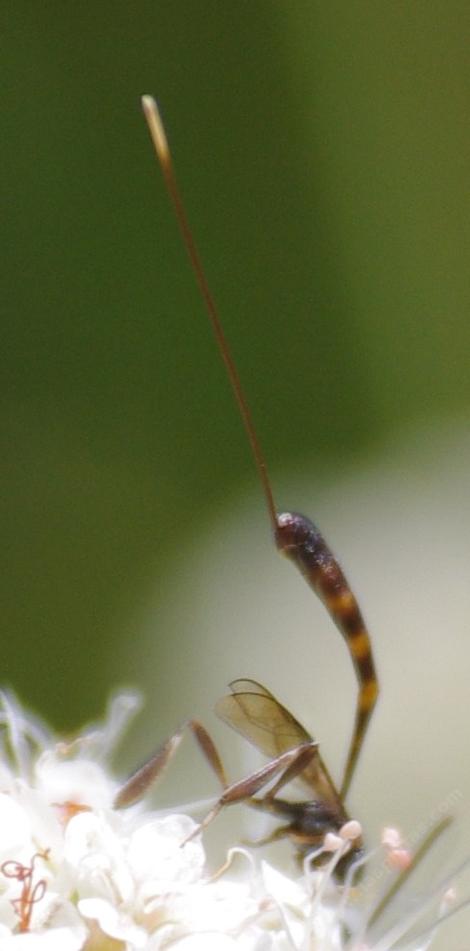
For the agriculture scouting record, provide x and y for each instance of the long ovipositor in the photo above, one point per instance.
(298, 538)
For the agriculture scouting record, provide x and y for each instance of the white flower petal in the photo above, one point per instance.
(7, 779)
(79, 781)
(113, 923)
(97, 853)
(54, 939)
(205, 942)
(156, 853)
(224, 907)
(15, 828)
(283, 889)
(44, 819)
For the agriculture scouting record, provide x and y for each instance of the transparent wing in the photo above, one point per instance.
(255, 713)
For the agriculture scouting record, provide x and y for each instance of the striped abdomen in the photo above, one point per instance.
(299, 539)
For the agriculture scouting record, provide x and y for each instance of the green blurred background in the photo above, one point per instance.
(323, 152)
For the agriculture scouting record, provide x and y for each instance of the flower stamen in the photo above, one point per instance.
(30, 893)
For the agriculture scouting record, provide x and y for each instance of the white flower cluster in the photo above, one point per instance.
(77, 874)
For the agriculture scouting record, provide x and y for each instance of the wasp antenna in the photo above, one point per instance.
(162, 149)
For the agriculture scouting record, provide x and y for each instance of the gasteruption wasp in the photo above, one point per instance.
(250, 708)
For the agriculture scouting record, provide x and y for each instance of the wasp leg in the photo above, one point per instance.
(245, 789)
(140, 781)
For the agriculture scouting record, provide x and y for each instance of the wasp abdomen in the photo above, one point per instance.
(302, 542)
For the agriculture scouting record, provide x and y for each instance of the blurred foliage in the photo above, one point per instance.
(323, 153)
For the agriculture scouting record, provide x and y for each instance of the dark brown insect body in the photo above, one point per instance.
(251, 709)
(302, 542)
